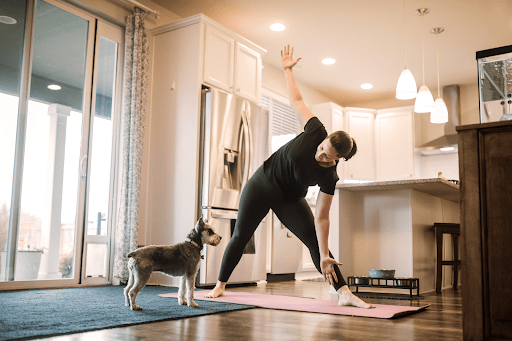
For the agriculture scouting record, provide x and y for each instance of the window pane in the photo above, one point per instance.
(96, 260)
(12, 32)
(53, 142)
(102, 131)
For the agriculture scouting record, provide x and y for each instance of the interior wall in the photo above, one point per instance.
(272, 78)
(448, 164)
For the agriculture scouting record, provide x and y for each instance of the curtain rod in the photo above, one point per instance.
(137, 4)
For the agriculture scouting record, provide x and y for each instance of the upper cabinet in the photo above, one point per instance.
(360, 126)
(384, 138)
(330, 114)
(231, 65)
(394, 144)
(219, 59)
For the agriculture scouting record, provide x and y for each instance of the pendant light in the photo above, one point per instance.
(406, 86)
(440, 113)
(424, 100)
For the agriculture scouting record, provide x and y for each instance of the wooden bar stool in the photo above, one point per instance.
(454, 230)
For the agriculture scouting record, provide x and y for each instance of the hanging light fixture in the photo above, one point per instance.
(406, 86)
(440, 113)
(424, 100)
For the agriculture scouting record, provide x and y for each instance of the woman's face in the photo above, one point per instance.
(326, 152)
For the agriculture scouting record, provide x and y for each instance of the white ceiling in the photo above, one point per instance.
(366, 37)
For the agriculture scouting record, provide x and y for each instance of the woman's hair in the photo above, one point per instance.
(344, 145)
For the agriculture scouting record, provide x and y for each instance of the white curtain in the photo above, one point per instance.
(134, 116)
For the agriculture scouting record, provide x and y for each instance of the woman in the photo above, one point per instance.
(281, 185)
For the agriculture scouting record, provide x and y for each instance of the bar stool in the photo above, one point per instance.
(454, 231)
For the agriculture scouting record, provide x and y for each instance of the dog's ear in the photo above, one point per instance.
(200, 222)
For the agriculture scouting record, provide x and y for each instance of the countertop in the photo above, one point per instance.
(436, 186)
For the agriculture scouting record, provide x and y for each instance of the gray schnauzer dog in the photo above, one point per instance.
(178, 260)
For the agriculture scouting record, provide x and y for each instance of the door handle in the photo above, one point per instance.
(224, 215)
(82, 172)
(247, 140)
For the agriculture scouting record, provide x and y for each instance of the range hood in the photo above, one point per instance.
(451, 96)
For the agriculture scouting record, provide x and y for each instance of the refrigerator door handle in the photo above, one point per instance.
(224, 215)
(247, 141)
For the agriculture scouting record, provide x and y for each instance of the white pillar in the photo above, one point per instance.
(51, 229)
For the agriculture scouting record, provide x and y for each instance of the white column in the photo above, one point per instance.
(51, 229)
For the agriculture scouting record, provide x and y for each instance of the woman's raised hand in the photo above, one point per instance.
(287, 58)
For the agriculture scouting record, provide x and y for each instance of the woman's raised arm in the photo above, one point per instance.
(302, 112)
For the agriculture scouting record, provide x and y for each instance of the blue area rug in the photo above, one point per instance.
(36, 313)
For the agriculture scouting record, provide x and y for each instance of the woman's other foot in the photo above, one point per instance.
(347, 298)
(218, 291)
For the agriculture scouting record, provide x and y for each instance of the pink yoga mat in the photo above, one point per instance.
(306, 304)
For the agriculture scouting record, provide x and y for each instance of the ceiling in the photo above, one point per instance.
(366, 37)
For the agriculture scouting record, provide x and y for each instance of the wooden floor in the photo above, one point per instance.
(441, 321)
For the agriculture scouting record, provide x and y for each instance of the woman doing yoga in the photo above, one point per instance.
(281, 184)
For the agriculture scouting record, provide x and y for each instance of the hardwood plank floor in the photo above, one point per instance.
(441, 321)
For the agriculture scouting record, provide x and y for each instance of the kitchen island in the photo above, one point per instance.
(389, 225)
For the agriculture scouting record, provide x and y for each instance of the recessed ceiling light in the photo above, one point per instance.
(7, 20)
(277, 27)
(328, 61)
(366, 86)
(54, 87)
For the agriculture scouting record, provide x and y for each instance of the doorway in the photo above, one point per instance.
(59, 100)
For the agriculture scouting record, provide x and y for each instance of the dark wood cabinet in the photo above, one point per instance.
(485, 166)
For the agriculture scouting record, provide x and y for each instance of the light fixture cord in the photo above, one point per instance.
(405, 39)
(438, 87)
(423, 47)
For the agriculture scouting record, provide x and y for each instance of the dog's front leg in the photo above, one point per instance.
(191, 285)
(182, 292)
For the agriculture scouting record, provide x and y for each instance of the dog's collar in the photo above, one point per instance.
(200, 247)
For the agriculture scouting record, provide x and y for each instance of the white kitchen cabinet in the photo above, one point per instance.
(247, 73)
(219, 58)
(360, 126)
(394, 144)
(231, 65)
(330, 114)
(178, 63)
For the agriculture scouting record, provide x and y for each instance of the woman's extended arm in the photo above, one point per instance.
(303, 113)
(323, 206)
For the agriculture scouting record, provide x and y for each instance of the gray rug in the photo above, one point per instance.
(36, 313)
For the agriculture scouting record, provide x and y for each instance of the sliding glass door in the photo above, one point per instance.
(102, 179)
(59, 109)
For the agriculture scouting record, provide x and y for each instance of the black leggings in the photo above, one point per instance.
(258, 196)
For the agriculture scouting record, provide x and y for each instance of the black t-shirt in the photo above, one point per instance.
(293, 168)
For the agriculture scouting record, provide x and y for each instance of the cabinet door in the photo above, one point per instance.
(219, 56)
(337, 119)
(330, 114)
(394, 146)
(247, 73)
(362, 165)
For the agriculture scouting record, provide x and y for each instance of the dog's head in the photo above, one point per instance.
(206, 233)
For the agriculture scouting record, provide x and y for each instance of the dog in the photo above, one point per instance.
(178, 260)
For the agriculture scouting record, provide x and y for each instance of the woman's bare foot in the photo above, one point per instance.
(347, 298)
(218, 291)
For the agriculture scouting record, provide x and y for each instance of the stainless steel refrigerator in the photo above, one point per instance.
(234, 143)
